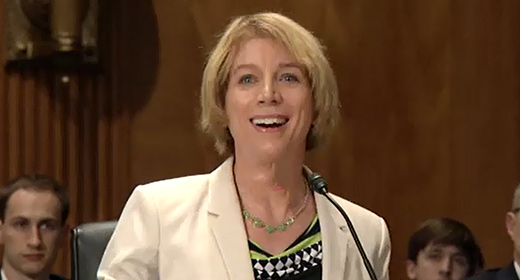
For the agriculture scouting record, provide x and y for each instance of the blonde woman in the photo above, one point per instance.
(268, 95)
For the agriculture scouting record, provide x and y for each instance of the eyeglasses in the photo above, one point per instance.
(515, 210)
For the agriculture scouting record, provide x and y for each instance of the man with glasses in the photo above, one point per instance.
(512, 271)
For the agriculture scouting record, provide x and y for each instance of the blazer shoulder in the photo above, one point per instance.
(174, 190)
(356, 211)
(369, 226)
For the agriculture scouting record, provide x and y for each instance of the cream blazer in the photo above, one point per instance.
(191, 228)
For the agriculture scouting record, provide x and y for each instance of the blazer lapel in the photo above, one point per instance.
(335, 239)
(226, 223)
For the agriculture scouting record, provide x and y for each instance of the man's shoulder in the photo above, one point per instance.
(57, 277)
(487, 275)
(51, 277)
(501, 273)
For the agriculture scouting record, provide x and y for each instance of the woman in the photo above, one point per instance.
(268, 95)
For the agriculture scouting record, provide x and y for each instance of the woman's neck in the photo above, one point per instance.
(271, 188)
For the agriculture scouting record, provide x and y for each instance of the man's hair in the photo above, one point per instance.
(36, 182)
(447, 231)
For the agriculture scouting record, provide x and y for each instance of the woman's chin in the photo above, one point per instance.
(270, 152)
(267, 151)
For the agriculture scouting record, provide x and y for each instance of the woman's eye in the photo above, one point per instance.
(289, 78)
(246, 79)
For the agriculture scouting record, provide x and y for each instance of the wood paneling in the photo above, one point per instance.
(430, 95)
(430, 116)
(72, 126)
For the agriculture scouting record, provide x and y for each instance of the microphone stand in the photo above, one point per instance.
(319, 185)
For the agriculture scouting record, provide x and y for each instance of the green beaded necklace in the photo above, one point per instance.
(258, 223)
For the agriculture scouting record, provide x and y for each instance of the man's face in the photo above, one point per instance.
(513, 229)
(438, 262)
(31, 232)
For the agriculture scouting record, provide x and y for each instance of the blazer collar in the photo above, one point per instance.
(225, 220)
(335, 238)
(227, 225)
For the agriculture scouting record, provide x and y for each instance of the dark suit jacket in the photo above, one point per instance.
(57, 277)
(504, 273)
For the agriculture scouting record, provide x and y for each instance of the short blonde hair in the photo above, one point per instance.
(305, 48)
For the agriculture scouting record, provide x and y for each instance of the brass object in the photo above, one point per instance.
(49, 29)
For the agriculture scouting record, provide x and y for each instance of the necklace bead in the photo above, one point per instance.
(258, 223)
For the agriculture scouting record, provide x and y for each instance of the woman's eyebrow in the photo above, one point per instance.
(244, 66)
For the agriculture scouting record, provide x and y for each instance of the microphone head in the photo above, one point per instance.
(317, 183)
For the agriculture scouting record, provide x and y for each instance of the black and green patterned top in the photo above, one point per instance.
(300, 261)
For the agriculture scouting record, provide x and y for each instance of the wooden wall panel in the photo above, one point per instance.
(430, 94)
(485, 123)
(63, 130)
(430, 116)
(3, 124)
(72, 126)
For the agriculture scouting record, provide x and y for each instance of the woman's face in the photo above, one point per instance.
(268, 101)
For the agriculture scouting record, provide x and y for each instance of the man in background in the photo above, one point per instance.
(443, 248)
(33, 214)
(511, 271)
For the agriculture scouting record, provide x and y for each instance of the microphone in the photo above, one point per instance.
(319, 185)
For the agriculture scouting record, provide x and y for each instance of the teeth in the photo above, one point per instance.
(270, 121)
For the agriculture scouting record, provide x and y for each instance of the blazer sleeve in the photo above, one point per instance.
(383, 256)
(132, 252)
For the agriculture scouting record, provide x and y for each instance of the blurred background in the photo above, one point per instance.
(430, 94)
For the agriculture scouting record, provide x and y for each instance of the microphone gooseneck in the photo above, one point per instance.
(319, 185)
